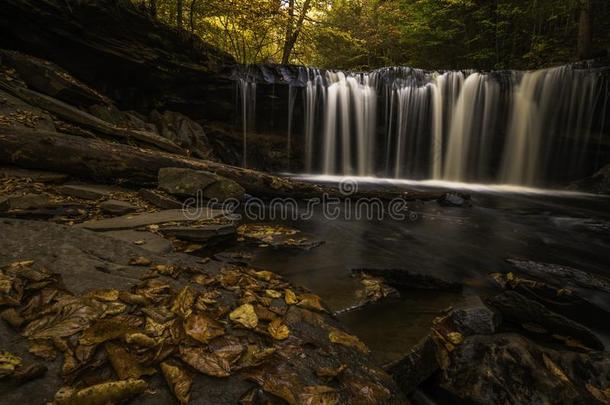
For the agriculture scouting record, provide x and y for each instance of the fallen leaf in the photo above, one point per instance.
(103, 295)
(311, 301)
(140, 339)
(104, 330)
(273, 294)
(602, 395)
(179, 381)
(113, 392)
(245, 316)
(264, 275)
(345, 339)
(554, 369)
(278, 330)
(455, 338)
(290, 297)
(140, 261)
(124, 363)
(319, 395)
(183, 302)
(329, 373)
(202, 328)
(8, 363)
(43, 349)
(204, 362)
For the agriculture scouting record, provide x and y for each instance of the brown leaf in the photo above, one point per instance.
(204, 362)
(202, 328)
(345, 339)
(124, 363)
(319, 395)
(113, 392)
(140, 339)
(179, 381)
(43, 349)
(329, 373)
(183, 302)
(8, 363)
(167, 270)
(254, 356)
(554, 369)
(245, 316)
(103, 295)
(104, 330)
(278, 330)
(311, 301)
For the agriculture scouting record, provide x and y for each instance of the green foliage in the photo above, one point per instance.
(365, 34)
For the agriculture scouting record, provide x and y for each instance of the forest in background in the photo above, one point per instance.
(367, 34)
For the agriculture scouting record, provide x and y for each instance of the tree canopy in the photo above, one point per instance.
(366, 34)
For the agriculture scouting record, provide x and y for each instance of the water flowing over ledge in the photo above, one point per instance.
(533, 128)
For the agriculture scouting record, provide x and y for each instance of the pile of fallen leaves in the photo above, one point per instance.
(216, 325)
(266, 235)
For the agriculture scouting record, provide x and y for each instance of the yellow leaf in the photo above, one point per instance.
(278, 330)
(101, 394)
(345, 339)
(179, 381)
(245, 316)
(311, 301)
(290, 297)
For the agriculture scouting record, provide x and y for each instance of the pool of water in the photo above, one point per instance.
(461, 244)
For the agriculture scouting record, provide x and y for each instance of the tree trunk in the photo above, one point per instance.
(293, 30)
(118, 163)
(179, 12)
(585, 31)
(153, 8)
(192, 16)
(287, 48)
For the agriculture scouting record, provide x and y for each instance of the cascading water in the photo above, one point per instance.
(521, 128)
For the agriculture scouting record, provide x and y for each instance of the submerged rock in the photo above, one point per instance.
(406, 279)
(473, 317)
(599, 183)
(523, 311)
(454, 200)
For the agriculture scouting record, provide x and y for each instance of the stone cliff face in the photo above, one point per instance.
(110, 44)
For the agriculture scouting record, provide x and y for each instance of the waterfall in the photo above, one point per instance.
(526, 128)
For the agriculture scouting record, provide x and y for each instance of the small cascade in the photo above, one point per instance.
(247, 95)
(523, 128)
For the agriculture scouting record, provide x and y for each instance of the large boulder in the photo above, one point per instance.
(524, 311)
(599, 183)
(198, 183)
(183, 131)
(50, 79)
(508, 368)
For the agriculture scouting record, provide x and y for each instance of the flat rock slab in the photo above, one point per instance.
(204, 233)
(146, 240)
(87, 192)
(117, 207)
(152, 218)
(159, 200)
(23, 202)
(34, 175)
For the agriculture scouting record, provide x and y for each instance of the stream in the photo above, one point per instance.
(455, 243)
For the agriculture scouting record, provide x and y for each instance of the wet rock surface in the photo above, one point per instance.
(255, 344)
